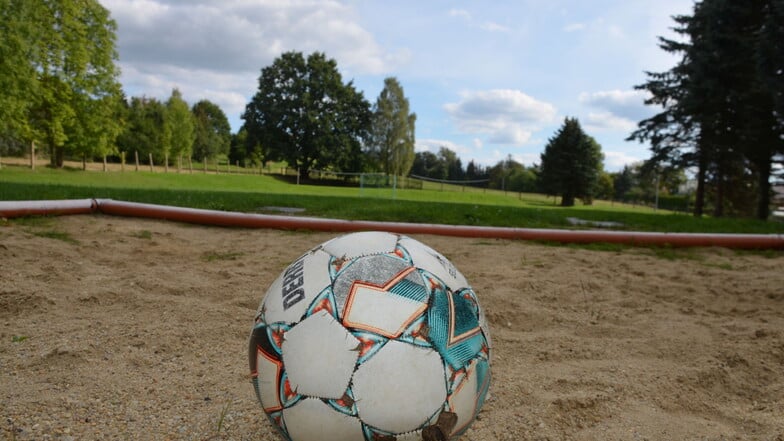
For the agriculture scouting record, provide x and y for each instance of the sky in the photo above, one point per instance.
(485, 79)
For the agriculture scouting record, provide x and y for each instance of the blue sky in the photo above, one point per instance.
(486, 79)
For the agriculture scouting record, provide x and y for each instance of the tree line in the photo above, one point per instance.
(721, 112)
(722, 104)
(571, 167)
(59, 89)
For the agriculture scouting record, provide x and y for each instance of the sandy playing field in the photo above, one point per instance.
(115, 328)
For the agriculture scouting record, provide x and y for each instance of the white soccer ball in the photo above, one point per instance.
(370, 336)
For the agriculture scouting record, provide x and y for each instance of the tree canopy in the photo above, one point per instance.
(58, 75)
(392, 139)
(304, 114)
(211, 129)
(721, 103)
(571, 164)
(178, 127)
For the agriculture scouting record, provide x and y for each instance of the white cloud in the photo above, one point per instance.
(526, 158)
(494, 27)
(241, 34)
(614, 160)
(615, 31)
(574, 27)
(433, 145)
(608, 121)
(506, 116)
(462, 13)
(216, 50)
(626, 105)
(489, 26)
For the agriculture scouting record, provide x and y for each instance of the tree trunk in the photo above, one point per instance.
(699, 197)
(59, 156)
(763, 191)
(567, 200)
(718, 210)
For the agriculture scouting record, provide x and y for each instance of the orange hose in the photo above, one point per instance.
(233, 219)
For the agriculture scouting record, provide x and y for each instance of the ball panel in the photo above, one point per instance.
(454, 327)
(292, 293)
(312, 419)
(376, 309)
(269, 371)
(425, 257)
(266, 367)
(463, 398)
(376, 270)
(319, 355)
(409, 376)
(351, 246)
(355, 340)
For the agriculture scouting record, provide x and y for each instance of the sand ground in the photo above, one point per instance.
(115, 328)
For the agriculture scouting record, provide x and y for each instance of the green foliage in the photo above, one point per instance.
(605, 187)
(444, 165)
(721, 104)
(305, 115)
(248, 193)
(59, 76)
(212, 130)
(571, 164)
(428, 165)
(178, 127)
(18, 32)
(391, 143)
(144, 129)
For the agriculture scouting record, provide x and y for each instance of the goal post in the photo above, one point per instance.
(377, 185)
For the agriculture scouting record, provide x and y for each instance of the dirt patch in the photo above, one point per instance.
(138, 329)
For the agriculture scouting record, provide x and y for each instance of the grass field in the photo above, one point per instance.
(432, 204)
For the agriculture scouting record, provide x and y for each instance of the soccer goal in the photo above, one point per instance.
(379, 185)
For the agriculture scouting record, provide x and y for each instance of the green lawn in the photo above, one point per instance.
(432, 204)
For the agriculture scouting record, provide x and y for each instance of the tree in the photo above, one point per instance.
(571, 164)
(476, 171)
(144, 127)
(58, 75)
(18, 32)
(211, 129)
(305, 115)
(178, 127)
(454, 167)
(605, 186)
(429, 165)
(392, 134)
(623, 182)
(720, 103)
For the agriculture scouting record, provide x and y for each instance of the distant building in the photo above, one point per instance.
(778, 194)
(778, 201)
(688, 187)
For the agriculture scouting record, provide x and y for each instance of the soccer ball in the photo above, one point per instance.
(370, 336)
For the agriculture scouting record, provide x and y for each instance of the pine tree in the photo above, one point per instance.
(571, 164)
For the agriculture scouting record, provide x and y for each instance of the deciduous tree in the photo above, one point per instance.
(58, 75)
(304, 114)
(211, 129)
(392, 134)
(178, 127)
